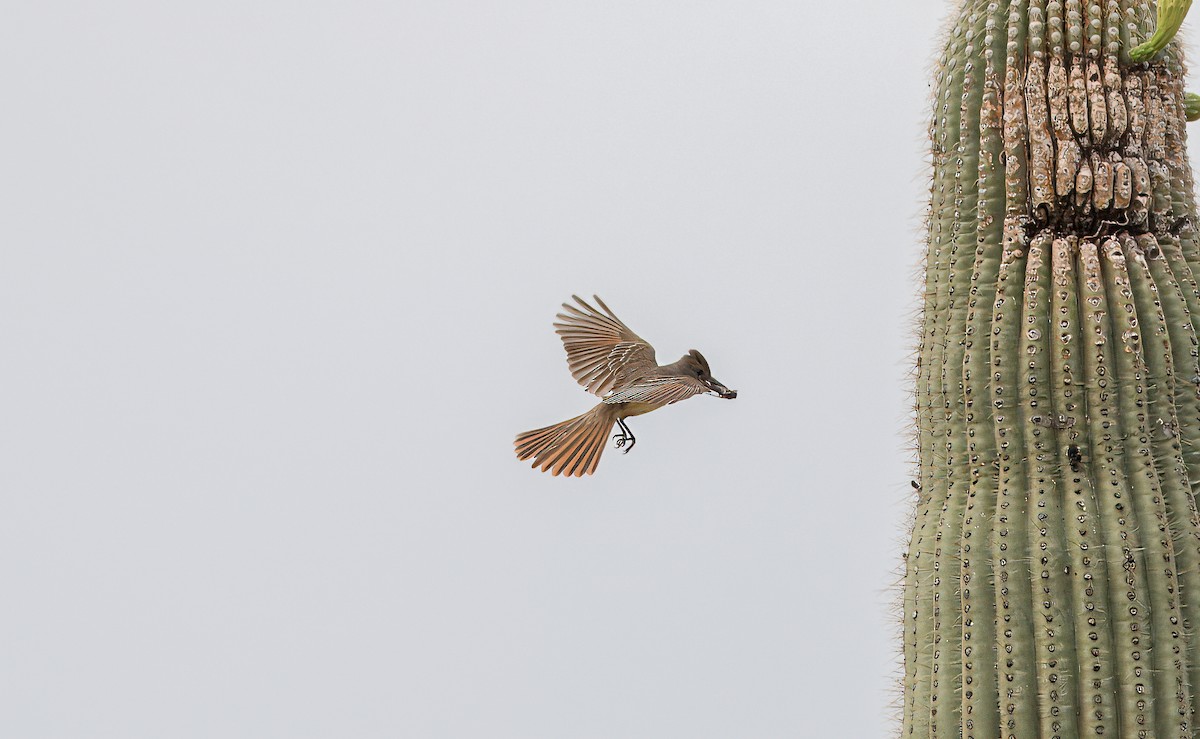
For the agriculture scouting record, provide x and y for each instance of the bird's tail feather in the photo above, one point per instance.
(572, 447)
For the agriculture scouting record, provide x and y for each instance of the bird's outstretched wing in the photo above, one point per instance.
(603, 353)
(659, 391)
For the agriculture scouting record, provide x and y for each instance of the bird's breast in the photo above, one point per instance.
(625, 410)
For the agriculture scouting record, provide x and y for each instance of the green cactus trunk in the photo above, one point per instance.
(1053, 575)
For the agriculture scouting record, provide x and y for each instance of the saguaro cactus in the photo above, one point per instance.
(1052, 582)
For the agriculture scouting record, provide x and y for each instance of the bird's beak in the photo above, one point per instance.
(720, 389)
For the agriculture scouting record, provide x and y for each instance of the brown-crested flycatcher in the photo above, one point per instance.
(613, 362)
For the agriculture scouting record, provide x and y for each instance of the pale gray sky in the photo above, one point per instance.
(277, 288)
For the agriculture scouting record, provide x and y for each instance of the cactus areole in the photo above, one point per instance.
(1052, 584)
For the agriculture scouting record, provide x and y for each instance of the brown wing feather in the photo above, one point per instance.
(659, 391)
(602, 352)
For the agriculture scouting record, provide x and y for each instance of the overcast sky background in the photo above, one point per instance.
(276, 295)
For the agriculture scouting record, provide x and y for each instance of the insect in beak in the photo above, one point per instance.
(720, 389)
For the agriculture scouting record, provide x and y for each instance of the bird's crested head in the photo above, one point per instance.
(695, 365)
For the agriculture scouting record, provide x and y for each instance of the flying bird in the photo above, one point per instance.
(611, 361)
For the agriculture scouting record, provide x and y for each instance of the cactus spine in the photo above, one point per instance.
(1053, 573)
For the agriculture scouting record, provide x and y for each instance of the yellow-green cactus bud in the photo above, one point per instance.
(1191, 106)
(1170, 18)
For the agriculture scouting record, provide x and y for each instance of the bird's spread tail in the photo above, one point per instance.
(572, 447)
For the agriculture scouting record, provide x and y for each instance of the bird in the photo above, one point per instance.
(608, 359)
